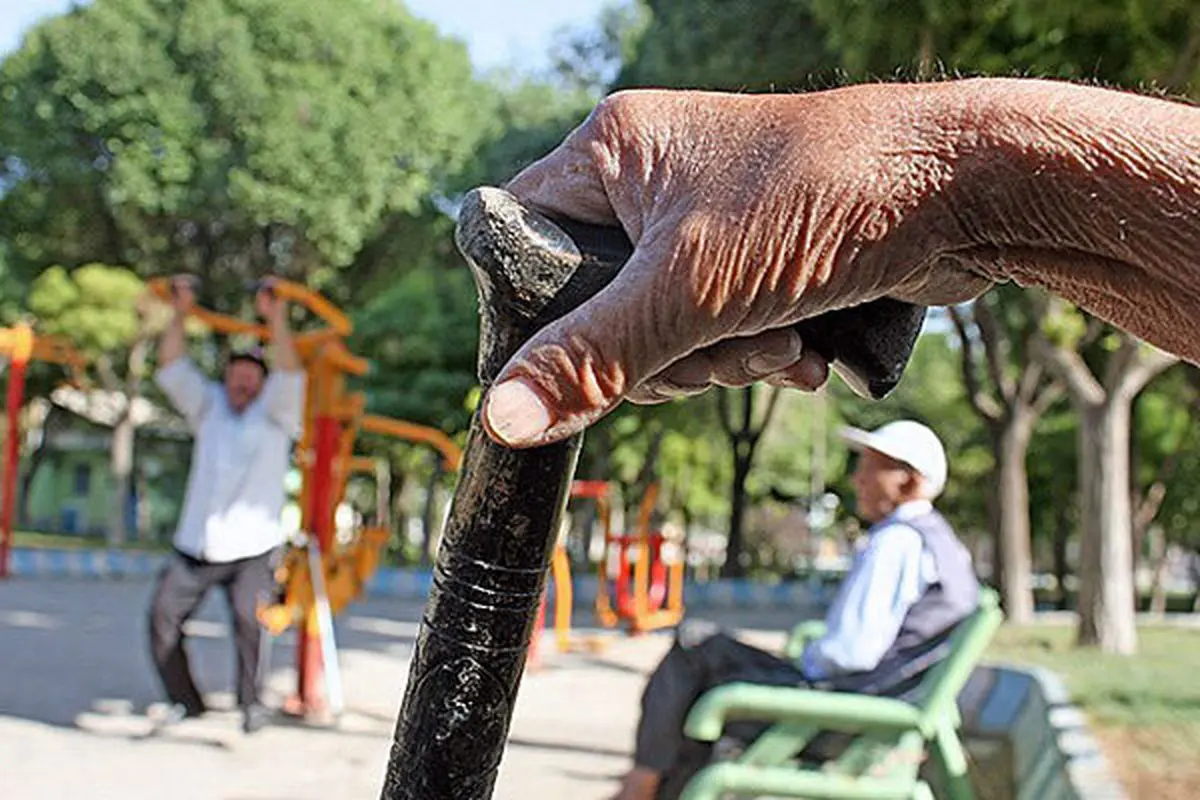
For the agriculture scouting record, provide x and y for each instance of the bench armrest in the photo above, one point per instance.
(837, 711)
(801, 635)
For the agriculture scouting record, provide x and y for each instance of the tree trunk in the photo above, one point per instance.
(121, 468)
(1012, 492)
(743, 440)
(123, 440)
(1158, 566)
(398, 519)
(1062, 537)
(1106, 610)
(55, 418)
(743, 455)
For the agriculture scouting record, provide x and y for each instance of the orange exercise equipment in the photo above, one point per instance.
(21, 345)
(647, 591)
(564, 595)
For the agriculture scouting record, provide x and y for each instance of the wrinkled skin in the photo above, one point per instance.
(751, 212)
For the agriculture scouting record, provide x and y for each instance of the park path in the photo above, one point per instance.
(75, 681)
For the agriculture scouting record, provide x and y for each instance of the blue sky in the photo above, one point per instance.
(497, 32)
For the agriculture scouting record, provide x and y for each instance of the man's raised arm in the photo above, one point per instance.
(184, 385)
(284, 390)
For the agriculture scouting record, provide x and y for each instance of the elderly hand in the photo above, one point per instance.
(752, 212)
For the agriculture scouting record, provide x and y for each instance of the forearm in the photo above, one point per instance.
(284, 344)
(1092, 194)
(173, 342)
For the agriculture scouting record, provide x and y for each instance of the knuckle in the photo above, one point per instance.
(576, 371)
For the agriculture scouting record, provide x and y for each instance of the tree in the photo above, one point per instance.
(589, 58)
(1053, 469)
(1009, 401)
(744, 432)
(1164, 438)
(1103, 402)
(709, 44)
(529, 118)
(227, 138)
(421, 334)
(96, 307)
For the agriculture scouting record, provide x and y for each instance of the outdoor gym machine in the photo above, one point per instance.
(637, 583)
(333, 417)
(20, 345)
(652, 596)
(504, 519)
(564, 589)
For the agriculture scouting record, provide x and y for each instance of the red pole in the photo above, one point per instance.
(310, 671)
(22, 347)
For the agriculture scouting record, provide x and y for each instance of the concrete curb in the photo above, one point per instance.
(1087, 767)
(1028, 741)
(406, 582)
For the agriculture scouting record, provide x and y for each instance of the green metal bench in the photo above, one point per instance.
(892, 737)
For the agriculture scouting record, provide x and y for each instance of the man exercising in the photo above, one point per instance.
(229, 528)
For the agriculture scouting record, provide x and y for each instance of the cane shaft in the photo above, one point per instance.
(471, 648)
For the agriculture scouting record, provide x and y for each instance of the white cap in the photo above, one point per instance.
(910, 443)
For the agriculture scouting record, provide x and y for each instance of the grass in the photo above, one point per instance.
(1145, 709)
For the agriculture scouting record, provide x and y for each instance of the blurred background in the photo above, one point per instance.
(328, 141)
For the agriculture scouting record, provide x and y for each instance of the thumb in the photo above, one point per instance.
(580, 367)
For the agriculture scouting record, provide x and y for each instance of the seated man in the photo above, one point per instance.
(907, 589)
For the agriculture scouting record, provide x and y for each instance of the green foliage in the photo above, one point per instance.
(690, 459)
(1131, 42)
(1064, 325)
(93, 306)
(12, 289)
(714, 44)
(1167, 448)
(589, 58)
(529, 118)
(421, 336)
(1052, 465)
(229, 137)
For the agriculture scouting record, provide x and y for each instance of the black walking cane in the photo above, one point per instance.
(491, 565)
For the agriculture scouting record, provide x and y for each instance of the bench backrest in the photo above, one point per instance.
(941, 686)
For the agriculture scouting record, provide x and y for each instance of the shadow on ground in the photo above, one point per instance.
(72, 648)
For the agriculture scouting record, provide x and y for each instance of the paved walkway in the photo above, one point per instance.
(75, 682)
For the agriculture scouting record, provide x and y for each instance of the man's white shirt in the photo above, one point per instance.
(235, 489)
(887, 577)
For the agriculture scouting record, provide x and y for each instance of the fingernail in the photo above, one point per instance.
(763, 364)
(516, 414)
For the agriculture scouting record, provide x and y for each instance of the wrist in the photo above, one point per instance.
(1089, 193)
(1036, 163)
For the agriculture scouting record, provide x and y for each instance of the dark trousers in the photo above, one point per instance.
(699, 660)
(181, 588)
